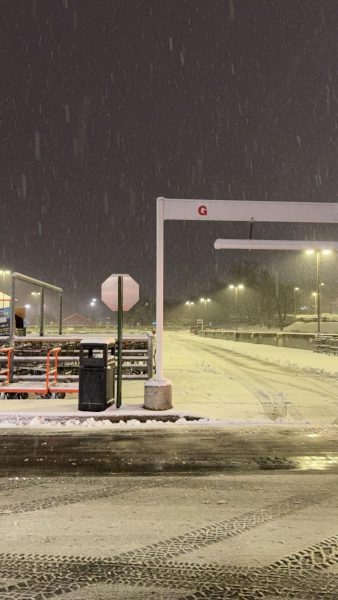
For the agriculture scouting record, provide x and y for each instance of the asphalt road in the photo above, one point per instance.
(176, 537)
(180, 513)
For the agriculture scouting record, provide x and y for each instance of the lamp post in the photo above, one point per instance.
(93, 305)
(295, 290)
(36, 296)
(206, 301)
(27, 307)
(189, 304)
(237, 287)
(318, 253)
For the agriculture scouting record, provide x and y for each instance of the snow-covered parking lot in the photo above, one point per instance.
(232, 383)
(243, 381)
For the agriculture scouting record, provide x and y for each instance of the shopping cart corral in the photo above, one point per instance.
(43, 382)
(326, 344)
(48, 366)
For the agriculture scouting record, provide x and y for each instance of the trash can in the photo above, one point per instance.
(96, 374)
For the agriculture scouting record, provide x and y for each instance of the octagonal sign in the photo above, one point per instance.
(109, 291)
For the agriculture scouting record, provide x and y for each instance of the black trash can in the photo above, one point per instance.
(96, 374)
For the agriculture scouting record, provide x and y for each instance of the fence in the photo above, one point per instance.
(304, 341)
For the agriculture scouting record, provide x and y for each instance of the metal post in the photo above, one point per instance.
(150, 355)
(157, 392)
(60, 315)
(12, 328)
(318, 290)
(236, 314)
(277, 283)
(159, 289)
(42, 312)
(119, 340)
(12, 312)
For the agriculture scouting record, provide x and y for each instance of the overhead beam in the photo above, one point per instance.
(243, 210)
(224, 244)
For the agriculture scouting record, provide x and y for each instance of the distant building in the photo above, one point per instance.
(77, 320)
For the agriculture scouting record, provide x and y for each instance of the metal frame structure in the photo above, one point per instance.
(46, 387)
(226, 210)
(221, 244)
(44, 286)
(316, 246)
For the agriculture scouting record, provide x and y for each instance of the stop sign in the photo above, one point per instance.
(109, 291)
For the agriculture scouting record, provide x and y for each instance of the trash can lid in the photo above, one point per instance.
(96, 341)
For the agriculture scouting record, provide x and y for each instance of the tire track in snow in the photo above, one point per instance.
(273, 402)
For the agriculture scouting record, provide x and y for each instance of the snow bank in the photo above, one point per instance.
(39, 422)
(294, 358)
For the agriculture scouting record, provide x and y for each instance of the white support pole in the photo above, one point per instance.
(159, 288)
(157, 391)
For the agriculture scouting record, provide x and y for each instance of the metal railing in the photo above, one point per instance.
(7, 371)
(43, 385)
(326, 344)
(53, 355)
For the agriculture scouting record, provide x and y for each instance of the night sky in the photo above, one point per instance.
(107, 104)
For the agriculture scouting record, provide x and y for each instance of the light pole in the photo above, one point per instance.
(206, 301)
(93, 305)
(27, 307)
(318, 253)
(321, 286)
(237, 287)
(189, 304)
(295, 290)
(36, 296)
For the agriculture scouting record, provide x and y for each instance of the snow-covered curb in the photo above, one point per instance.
(41, 422)
(91, 422)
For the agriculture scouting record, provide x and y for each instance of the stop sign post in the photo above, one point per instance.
(119, 292)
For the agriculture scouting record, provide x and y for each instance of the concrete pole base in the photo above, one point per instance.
(157, 394)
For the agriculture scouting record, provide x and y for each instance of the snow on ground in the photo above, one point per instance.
(61, 423)
(91, 422)
(295, 358)
(212, 387)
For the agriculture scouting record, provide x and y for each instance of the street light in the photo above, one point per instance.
(205, 300)
(36, 296)
(295, 290)
(318, 252)
(189, 304)
(237, 287)
(93, 305)
(27, 307)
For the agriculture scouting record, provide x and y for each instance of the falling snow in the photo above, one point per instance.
(104, 109)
